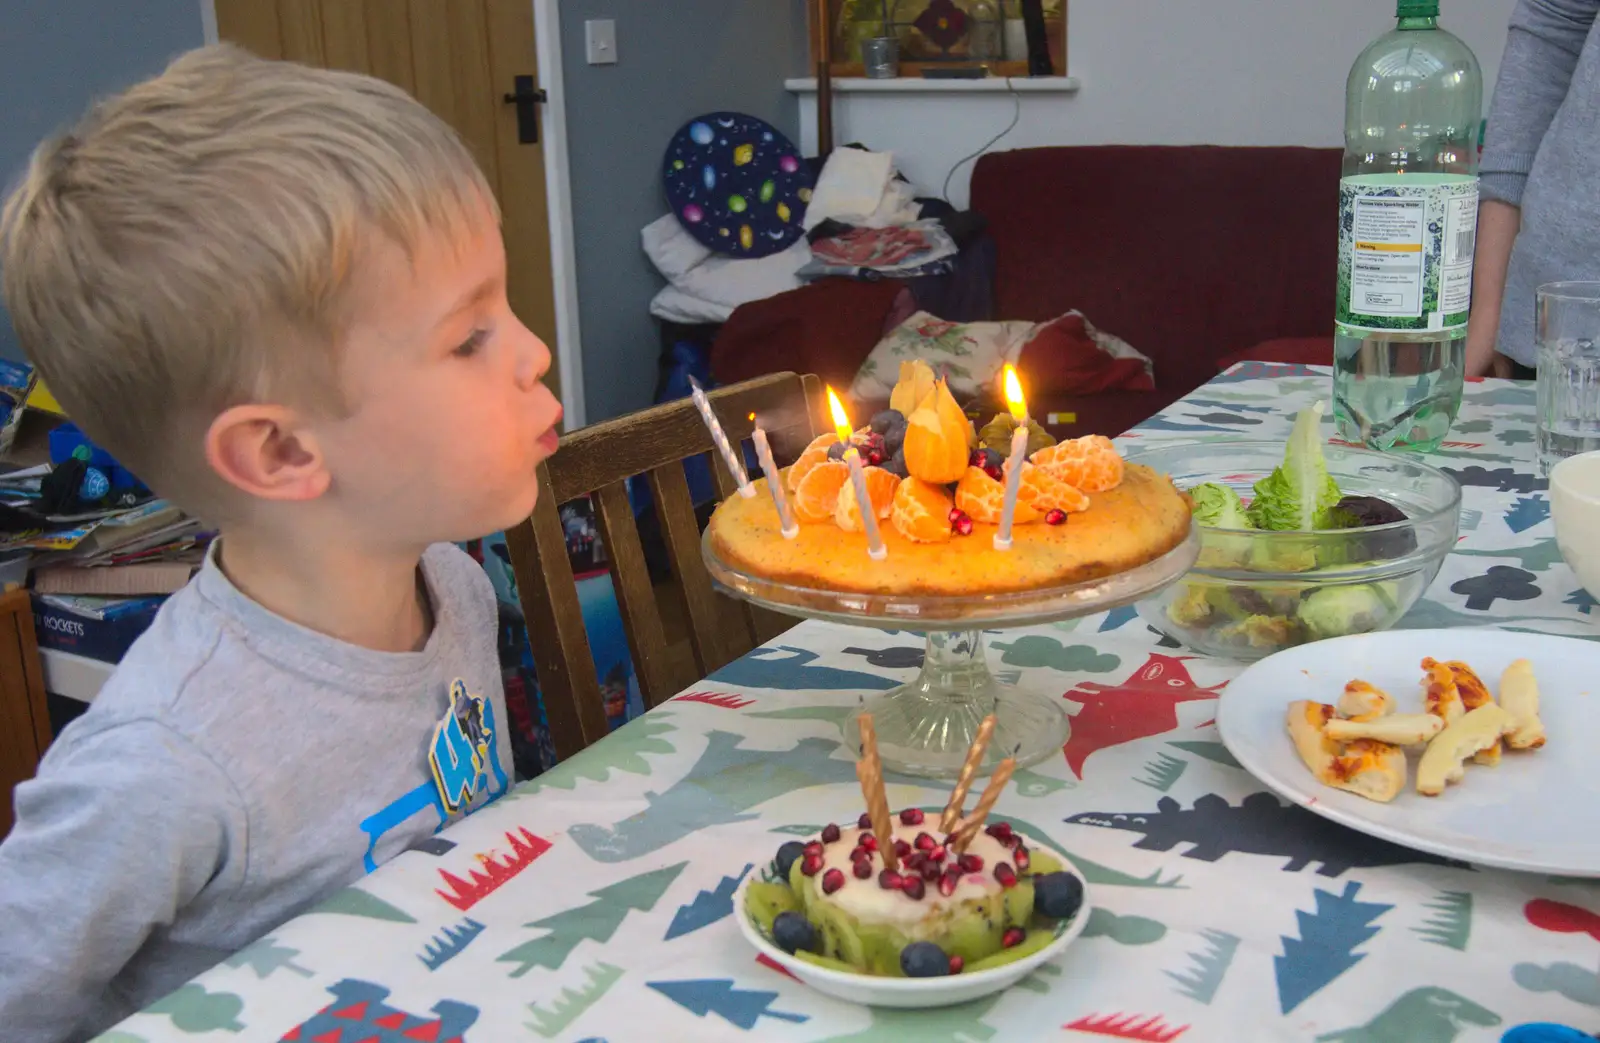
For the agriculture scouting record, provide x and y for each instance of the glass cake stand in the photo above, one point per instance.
(924, 727)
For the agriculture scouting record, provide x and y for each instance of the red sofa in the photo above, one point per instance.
(1196, 255)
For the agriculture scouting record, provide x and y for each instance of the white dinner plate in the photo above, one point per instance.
(1537, 811)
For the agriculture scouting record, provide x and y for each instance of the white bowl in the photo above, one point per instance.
(1575, 508)
(878, 991)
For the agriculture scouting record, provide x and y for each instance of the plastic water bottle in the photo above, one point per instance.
(1408, 218)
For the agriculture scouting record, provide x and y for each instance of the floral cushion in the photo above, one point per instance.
(969, 354)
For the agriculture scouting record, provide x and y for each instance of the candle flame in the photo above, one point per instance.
(841, 420)
(752, 417)
(1014, 400)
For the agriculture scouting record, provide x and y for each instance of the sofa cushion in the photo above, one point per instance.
(1069, 355)
(968, 354)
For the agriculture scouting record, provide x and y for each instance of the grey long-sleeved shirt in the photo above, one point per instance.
(235, 771)
(1542, 153)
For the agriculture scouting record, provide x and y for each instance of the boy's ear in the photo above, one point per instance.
(266, 451)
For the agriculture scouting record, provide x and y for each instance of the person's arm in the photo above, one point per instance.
(1543, 43)
(1497, 230)
(121, 830)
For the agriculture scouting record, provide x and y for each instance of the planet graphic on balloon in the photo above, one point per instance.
(737, 184)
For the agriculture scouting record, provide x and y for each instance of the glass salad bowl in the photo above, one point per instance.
(1253, 592)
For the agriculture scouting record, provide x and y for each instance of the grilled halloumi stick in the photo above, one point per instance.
(1440, 695)
(1361, 701)
(1519, 697)
(1474, 730)
(1375, 770)
(1474, 693)
(1398, 729)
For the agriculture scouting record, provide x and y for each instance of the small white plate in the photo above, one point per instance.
(1538, 811)
(877, 991)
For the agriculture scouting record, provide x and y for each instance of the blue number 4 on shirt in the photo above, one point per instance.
(459, 755)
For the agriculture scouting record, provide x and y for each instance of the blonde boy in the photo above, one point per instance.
(278, 295)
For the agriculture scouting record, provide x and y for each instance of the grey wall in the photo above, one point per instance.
(679, 58)
(58, 55)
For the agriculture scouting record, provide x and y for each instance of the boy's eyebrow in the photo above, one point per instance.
(473, 296)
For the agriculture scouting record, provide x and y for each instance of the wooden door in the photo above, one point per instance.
(457, 57)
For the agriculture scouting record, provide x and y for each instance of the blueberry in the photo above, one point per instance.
(924, 960)
(1057, 895)
(791, 932)
(836, 451)
(882, 422)
(786, 856)
(896, 464)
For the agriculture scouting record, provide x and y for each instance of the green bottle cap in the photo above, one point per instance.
(1417, 8)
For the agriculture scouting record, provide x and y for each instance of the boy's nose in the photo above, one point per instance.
(533, 361)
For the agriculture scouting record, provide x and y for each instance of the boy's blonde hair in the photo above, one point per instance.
(190, 245)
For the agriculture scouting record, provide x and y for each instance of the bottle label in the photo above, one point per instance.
(1405, 251)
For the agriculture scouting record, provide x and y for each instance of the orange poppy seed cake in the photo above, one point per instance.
(937, 488)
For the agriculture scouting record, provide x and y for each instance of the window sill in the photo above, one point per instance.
(920, 85)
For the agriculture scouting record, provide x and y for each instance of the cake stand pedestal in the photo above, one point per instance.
(924, 727)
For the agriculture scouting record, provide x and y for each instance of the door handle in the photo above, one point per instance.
(527, 98)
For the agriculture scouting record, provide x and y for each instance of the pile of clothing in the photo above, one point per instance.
(863, 221)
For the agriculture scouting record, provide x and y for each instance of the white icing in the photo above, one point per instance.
(869, 903)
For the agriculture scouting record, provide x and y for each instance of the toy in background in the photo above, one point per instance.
(531, 746)
(737, 183)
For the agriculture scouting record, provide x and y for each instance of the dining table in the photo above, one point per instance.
(594, 902)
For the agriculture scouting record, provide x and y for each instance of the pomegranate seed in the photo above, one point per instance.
(862, 868)
(956, 513)
(864, 822)
(915, 860)
(971, 863)
(859, 852)
(889, 880)
(962, 525)
(810, 864)
(914, 888)
(1005, 874)
(956, 963)
(874, 457)
(901, 849)
(814, 848)
(832, 880)
(911, 817)
(975, 458)
(1014, 841)
(930, 871)
(1012, 937)
(937, 853)
(947, 884)
(1055, 516)
(994, 472)
(926, 842)
(868, 841)
(830, 833)
(1001, 831)
(1021, 857)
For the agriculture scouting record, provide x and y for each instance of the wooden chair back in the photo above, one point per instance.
(597, 461)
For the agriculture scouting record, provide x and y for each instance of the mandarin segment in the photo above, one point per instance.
(817, 495)
(815, 453)
(1043, 492)
(881, 486)
(1090, 463)
(983, 499)
(921, 511)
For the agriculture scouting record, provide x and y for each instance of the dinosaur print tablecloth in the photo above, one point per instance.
(594, 902)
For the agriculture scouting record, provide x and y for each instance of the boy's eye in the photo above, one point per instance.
(469, 347)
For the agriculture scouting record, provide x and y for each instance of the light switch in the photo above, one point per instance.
(601, 37)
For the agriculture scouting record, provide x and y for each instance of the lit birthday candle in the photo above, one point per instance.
(774, 482)
(858, 477)
(720, 437)
(1019, 455)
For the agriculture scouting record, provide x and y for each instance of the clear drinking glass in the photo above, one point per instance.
(1568, 325)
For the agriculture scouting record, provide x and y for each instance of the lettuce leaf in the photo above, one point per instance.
(1219, 507)
(1300, 493)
